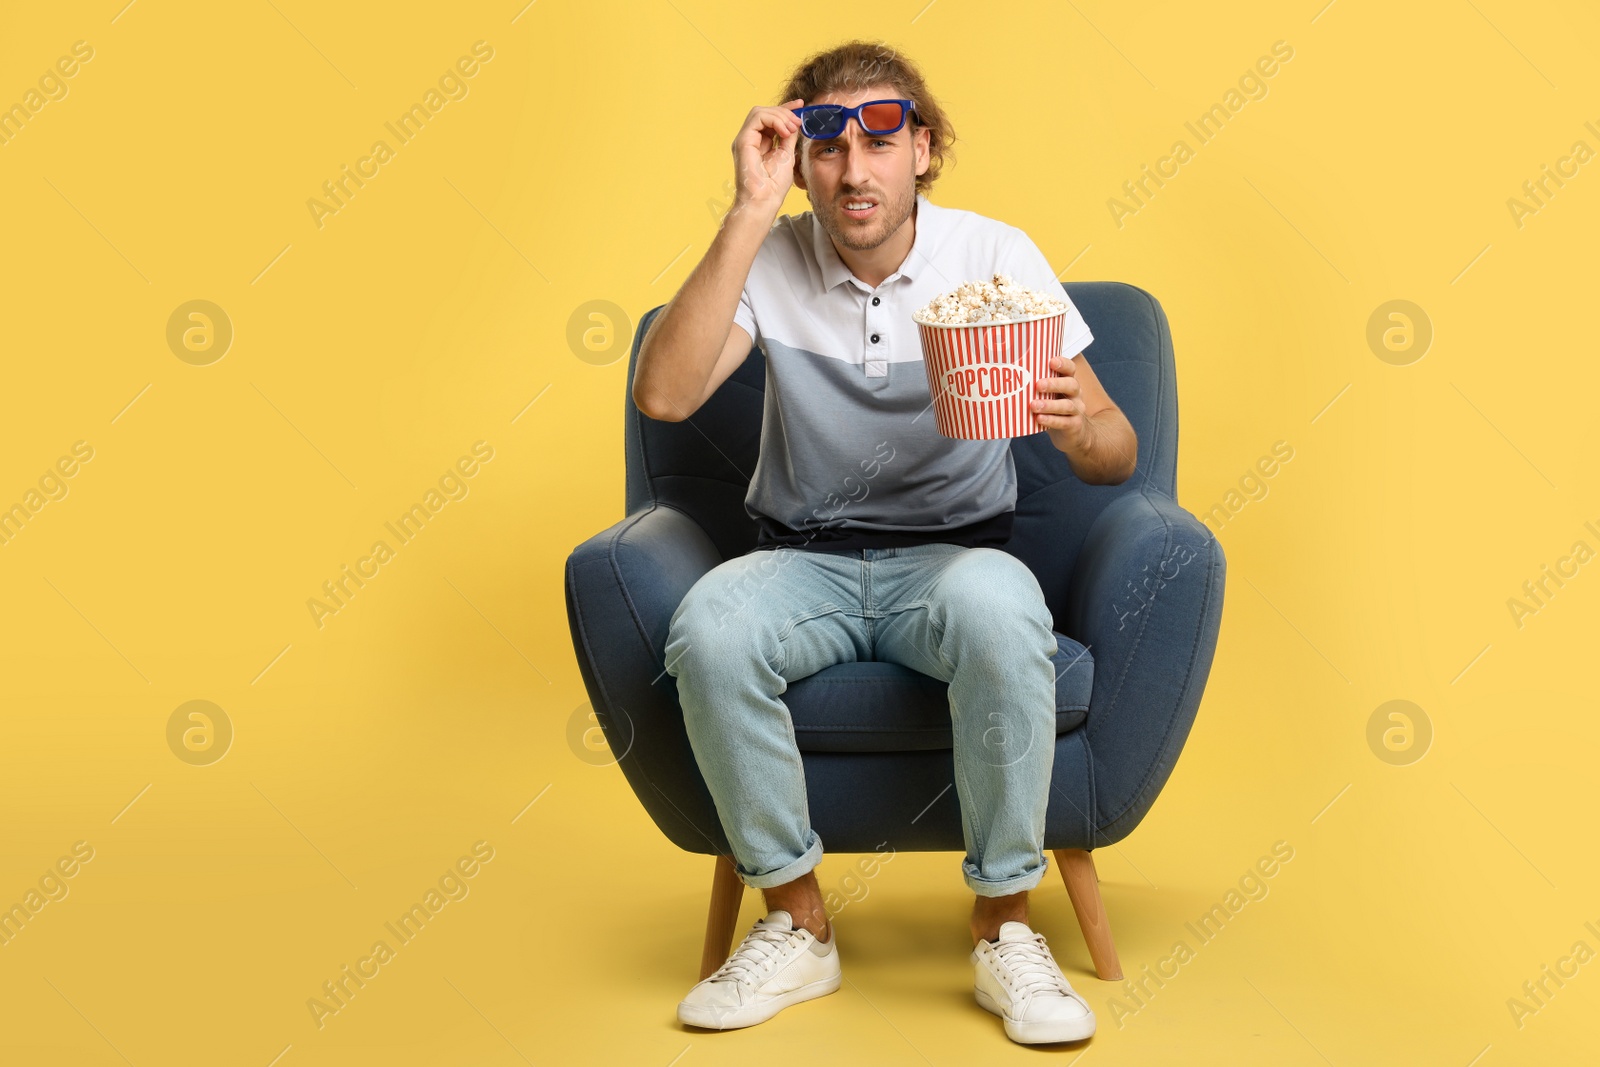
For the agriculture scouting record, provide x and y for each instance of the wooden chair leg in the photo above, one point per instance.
(1083, 886)
(727, 892)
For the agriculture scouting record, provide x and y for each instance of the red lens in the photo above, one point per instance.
(882, 118)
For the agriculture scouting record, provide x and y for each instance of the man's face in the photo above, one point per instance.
(857, 166)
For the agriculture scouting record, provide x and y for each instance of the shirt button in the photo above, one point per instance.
(874, 301)
(874, 338)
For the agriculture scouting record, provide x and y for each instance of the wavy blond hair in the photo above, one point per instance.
(857, 65)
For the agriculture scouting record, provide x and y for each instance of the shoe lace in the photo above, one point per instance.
(1032, 967)
(760, 947)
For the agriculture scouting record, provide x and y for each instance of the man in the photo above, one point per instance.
(878, 538)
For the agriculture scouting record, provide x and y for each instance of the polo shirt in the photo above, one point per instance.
(850, 456)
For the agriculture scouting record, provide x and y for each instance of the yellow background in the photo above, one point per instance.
(437, 709)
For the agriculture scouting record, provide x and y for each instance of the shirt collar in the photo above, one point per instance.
(923, 241)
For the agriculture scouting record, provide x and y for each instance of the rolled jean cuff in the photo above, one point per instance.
(788, 872)
(1026, 880)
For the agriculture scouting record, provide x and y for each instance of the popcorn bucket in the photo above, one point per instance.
(984, 375)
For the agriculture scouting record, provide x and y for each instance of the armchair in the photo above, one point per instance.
(1133, 580)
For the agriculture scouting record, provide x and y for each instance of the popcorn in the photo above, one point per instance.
(1001, 300)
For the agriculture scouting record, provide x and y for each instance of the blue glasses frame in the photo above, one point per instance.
(823, 122)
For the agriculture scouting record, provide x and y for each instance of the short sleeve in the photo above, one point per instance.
(1027, 265)
(744, 315)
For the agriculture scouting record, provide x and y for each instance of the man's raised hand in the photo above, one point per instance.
(763, 157)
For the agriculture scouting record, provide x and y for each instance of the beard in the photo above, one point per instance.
(893, 210)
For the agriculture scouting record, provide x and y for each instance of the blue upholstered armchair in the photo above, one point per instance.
(1134, 581)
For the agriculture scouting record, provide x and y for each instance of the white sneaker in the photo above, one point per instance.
(774, 966)
(1019, 981)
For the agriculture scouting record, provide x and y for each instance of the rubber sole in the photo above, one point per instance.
(712, 1019)
(1042, 1032)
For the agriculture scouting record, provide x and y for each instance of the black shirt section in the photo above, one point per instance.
(992, 532)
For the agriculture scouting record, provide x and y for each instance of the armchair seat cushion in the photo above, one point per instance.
(885, 707)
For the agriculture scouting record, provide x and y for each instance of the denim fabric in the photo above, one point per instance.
(974, 618)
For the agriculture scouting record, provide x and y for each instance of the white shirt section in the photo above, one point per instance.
(801, 293)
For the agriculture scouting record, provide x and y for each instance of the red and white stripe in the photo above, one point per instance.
(961, 409)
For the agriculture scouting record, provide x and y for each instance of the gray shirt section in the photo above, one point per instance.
(840, 449)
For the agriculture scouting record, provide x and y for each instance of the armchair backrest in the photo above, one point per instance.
(703, 465)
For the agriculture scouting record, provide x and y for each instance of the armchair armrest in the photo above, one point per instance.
(622, 587)
(1145, 596)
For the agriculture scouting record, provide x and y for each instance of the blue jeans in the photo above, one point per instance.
(974, 618)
